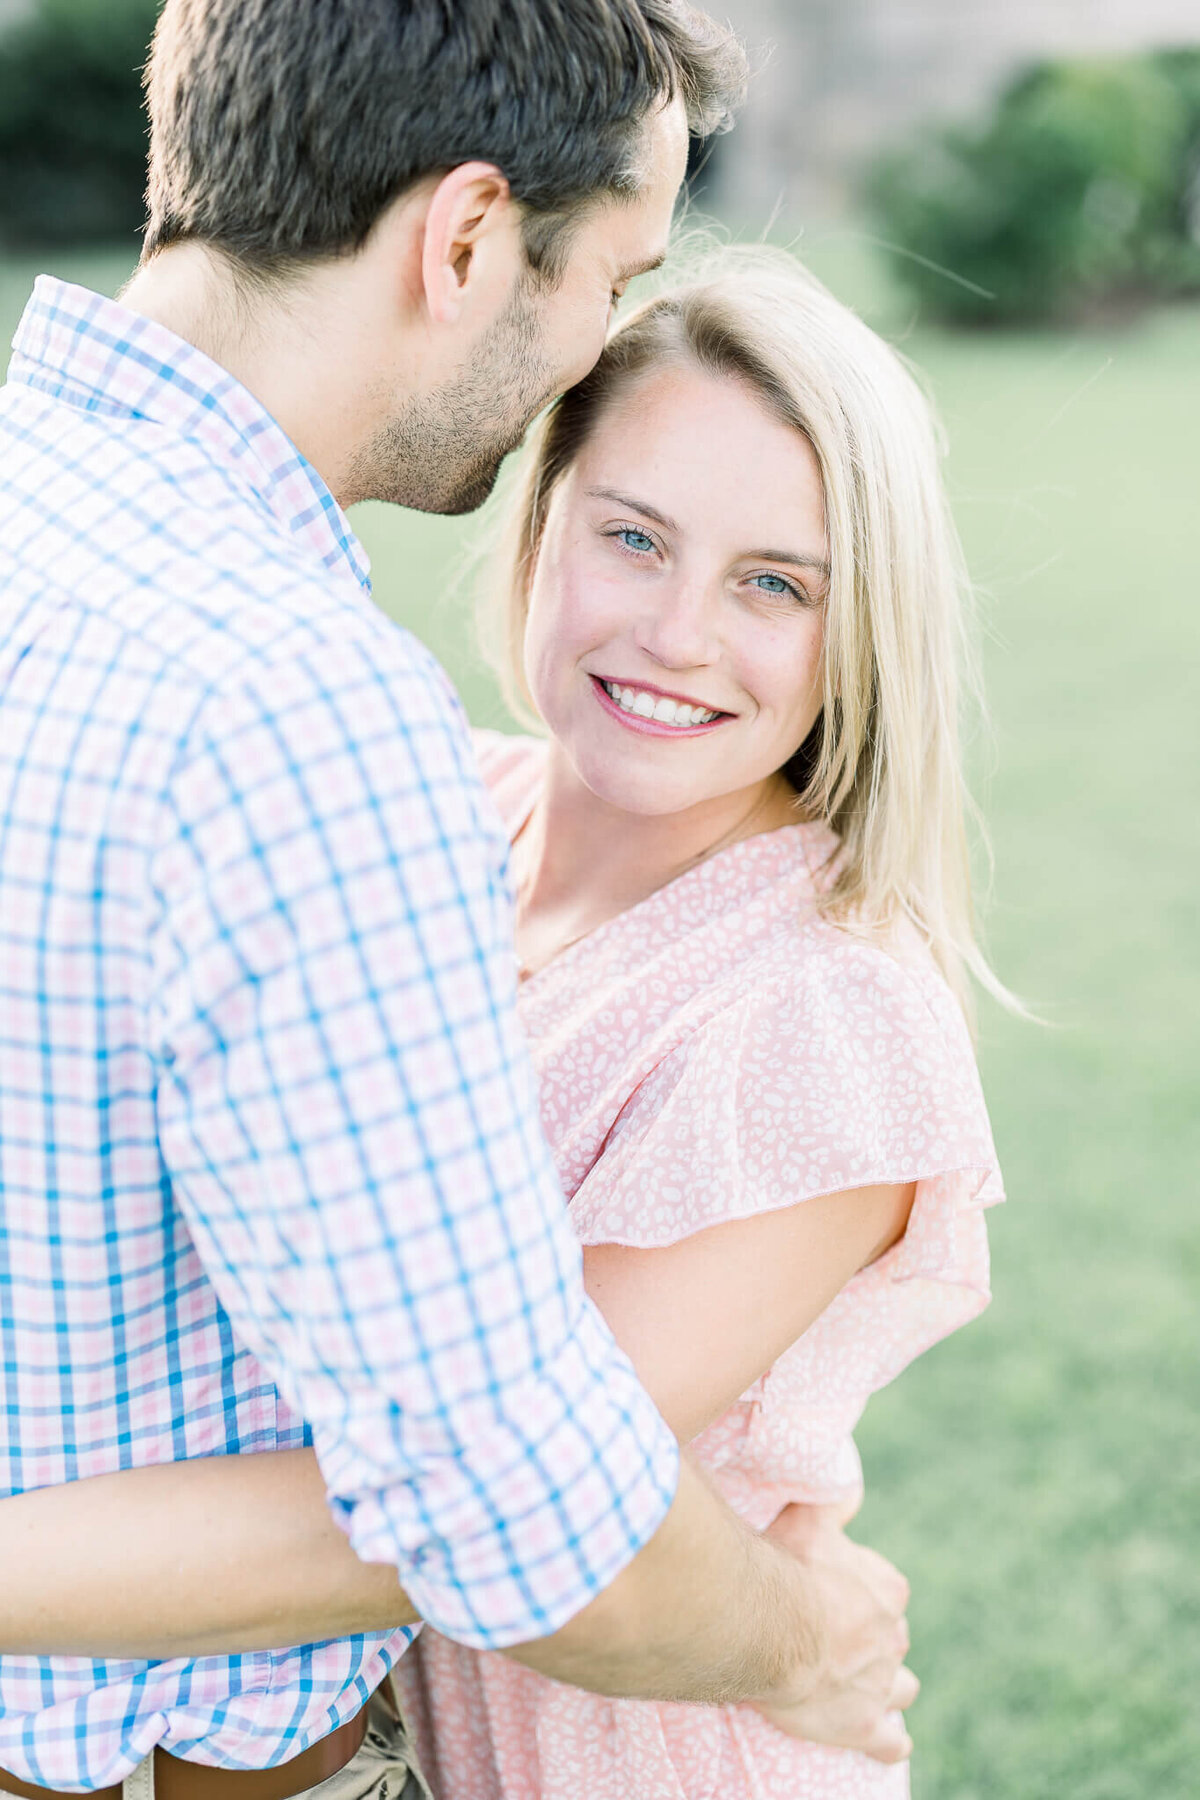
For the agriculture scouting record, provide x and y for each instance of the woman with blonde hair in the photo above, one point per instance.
(733, 612)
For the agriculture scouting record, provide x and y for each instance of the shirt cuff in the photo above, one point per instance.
(529, 1513)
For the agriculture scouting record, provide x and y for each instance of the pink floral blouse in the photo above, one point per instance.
(717, 1051)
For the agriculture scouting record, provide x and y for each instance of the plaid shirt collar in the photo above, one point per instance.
(94, 353)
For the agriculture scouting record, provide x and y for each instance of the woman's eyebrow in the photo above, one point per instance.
(638, 506)
(791, 556)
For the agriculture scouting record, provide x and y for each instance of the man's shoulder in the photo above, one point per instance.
(114, 509)
(179, 562)
(341, 654)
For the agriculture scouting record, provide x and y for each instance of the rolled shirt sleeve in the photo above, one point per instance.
(349, 1120)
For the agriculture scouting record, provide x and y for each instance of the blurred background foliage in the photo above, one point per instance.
(1076, 194)
(72, 132)
(1038, 1476)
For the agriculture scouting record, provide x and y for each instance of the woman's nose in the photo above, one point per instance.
(679, 626)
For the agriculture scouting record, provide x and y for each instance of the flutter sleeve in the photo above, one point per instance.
(847, 1070)
(511, 765)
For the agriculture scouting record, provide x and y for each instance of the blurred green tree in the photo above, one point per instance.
(1078, 193)
(72, 129)
(1182, 250)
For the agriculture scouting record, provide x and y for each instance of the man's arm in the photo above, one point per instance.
(349, 1119)
(240, 1553)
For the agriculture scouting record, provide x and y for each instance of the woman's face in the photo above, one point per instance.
(676, 615)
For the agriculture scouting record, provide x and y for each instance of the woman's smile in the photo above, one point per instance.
(641, 707)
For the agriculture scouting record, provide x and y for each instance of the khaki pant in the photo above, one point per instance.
(384, 1768)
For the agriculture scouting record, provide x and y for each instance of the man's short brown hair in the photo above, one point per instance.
(281, 129)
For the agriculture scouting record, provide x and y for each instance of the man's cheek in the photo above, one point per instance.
(583, 348)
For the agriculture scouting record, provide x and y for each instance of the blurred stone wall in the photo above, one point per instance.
(836, 79)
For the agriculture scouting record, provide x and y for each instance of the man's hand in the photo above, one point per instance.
(858, 1698)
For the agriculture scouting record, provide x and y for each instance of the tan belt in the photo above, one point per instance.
(175, 1779)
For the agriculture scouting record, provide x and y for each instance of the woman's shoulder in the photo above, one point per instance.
(850, 975)
(827, 1064)
(511, 765)
(499, 752)
(868, 1030)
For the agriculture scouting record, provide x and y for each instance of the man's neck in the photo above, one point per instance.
(276, 344)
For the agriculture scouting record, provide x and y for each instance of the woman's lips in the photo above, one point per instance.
(652, 727)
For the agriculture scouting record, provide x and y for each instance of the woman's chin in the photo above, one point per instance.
(644, 793)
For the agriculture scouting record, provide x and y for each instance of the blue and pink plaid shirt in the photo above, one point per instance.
(270, 1165)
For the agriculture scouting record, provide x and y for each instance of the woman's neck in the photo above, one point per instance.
(580, 861)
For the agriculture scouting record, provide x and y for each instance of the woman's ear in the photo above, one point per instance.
(471, 254)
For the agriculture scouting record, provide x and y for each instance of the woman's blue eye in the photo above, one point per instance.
(779, 585)
(635, 540)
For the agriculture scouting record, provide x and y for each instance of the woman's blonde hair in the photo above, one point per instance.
(883, 765)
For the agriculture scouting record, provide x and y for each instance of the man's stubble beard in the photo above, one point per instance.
(443, 452)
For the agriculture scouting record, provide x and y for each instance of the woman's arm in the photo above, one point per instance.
(190, 1559)
(241, 1553)
(703, 1318)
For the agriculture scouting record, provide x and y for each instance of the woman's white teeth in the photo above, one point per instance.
(660, 709)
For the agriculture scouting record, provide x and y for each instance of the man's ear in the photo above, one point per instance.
(471, 249)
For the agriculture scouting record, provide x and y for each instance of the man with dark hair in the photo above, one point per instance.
(272, 1169)
(291, 142)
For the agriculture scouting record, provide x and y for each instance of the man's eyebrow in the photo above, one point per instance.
(643, 268)
(637, 506)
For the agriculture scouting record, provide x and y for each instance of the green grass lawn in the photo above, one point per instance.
(1038, 1477)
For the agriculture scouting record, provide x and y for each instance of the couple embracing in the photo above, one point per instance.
(303, 1125)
